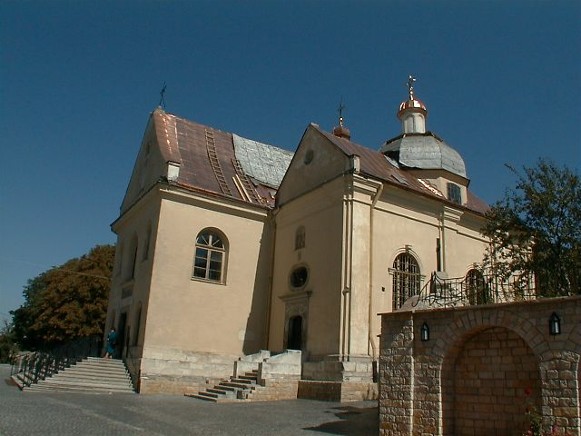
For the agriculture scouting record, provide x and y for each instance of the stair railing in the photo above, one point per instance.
(31, 367)
(132, 363)
(477, 289)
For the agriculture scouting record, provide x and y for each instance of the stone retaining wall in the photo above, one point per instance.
(175, 372)
(337, 391)
(481, 370)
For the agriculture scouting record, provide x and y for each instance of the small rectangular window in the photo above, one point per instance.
(454, 193)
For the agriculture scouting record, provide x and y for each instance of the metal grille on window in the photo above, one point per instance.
(475, 287)
(406, 279)
(209, 258)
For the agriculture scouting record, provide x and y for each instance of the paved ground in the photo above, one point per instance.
(35, 413)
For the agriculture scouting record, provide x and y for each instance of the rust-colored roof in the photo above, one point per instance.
(375, 164)
(190, 145)
(207, 160)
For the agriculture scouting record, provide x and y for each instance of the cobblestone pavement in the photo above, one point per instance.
(36, 413)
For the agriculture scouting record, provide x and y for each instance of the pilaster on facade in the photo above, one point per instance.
(358, 200)
(361, 189)
(451, 217)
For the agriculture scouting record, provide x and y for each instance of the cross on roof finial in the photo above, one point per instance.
(340, 110)
(410, 84)
(162, 97)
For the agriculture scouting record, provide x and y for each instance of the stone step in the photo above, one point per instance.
(227, 388)
(107, 363)
(205, 397)
(88, 375)
(78, 388)
(236, 384)
(83, 383)
(251, 378)
(123, 378)
(219, 391)
(241, 379)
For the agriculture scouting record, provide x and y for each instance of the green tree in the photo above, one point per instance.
(7, 343)
(535, 229)
(66, 302)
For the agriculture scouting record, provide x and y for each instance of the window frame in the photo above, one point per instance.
(405, 282)
(300, 238)
(475, 287)
(210, 251)
(454, 193)
(304, 272)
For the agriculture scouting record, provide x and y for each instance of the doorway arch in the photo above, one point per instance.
(486, 394)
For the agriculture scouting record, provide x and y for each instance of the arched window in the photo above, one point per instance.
(406, 279)
(210, 258)
(475, 287)
(300, 238)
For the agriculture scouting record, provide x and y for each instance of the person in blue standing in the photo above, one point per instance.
(111, 343)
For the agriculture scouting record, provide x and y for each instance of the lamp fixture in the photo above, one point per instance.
(554, 324)
(425, 332)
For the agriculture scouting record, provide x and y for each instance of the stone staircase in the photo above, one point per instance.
(258, 377)
(232, 389)
(91, 375)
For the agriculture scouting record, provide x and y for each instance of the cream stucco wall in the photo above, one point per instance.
(188, 313)
(320, 213)
(189, 331)
(402, 221)
(354, 227)
(352, 239)
(136, 230)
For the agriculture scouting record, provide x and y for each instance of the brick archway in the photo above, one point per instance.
(493, 381)
(492, 357)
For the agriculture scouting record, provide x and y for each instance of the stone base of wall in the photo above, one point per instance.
(185, 372)
(360, 371)
(275, 390)
(160, 384)
(337, 391)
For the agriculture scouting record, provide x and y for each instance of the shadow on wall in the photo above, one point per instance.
(352, 421)
(255, 335)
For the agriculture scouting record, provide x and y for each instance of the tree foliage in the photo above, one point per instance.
(8, 346)
(66, 302)
(535, 230)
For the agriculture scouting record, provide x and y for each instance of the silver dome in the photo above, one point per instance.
(424, 151)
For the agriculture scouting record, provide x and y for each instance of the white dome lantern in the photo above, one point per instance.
(418, 148)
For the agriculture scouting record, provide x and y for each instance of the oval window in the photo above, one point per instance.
(299, 276)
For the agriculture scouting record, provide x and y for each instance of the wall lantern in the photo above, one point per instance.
(555, 324)
(425, 332)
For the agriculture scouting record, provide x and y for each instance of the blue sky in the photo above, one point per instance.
(78, 79)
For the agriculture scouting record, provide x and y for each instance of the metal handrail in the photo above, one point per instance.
(477, 289)
(31, 367)
(132, 363)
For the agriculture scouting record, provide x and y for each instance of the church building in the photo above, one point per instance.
(228, 246)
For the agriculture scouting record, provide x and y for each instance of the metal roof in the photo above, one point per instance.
(263, 162)
(425, 151)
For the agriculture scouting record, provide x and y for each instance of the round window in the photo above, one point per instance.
(299, 276)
